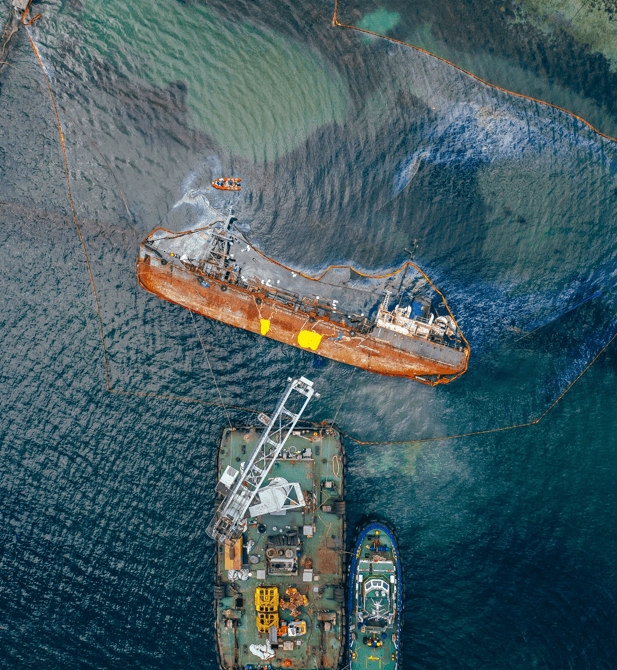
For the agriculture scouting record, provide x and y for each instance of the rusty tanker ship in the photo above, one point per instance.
(396, 324)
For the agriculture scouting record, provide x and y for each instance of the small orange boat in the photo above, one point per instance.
(227, 184)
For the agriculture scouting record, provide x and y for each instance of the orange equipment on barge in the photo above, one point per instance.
(396, 324)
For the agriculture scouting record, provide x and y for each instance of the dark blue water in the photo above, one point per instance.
(349, 149)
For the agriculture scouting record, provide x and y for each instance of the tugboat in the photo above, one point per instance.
(227, 184)
(375, 601)
(394, 324)
(280, 529)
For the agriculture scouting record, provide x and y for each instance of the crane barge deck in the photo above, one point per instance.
(279, 530)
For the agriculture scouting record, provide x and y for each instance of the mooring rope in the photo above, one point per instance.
(343, 398)
(210, 366)
(100, 153)
(68, 188)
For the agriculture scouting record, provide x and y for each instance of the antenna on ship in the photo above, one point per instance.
(412, 254)
(242, 487)
(230, 213)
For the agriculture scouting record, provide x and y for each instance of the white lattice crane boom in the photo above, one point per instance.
(228, 522)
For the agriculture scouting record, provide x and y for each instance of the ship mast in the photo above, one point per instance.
(242, 487)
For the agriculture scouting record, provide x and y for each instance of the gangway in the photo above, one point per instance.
(241, 488)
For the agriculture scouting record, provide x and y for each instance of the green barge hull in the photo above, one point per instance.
(279, 588)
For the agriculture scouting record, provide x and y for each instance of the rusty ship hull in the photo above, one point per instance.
(248, 290)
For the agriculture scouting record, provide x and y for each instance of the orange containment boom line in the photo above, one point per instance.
(336, 23)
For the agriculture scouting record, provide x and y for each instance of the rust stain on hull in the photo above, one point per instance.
(248, 309)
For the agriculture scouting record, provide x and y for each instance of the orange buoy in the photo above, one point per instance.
(227, 183)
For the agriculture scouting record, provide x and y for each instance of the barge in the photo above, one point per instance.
(395, 324)
(280, 532)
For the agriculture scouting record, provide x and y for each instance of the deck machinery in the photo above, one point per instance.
(375, 601)
(229, 522)
(280, 528)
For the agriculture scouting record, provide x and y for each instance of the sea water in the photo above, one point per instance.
(350, 148)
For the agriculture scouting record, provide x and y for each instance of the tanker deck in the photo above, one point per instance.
(396, 324)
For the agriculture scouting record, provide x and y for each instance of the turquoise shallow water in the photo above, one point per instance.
(348, 151)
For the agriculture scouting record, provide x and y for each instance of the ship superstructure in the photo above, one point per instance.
(279, 531)
(395, 324)
(375, 601)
